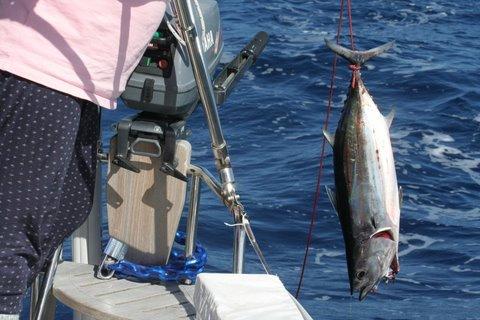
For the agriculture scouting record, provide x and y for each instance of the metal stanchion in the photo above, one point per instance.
(194, 204)
(238, 249)
(47, 284)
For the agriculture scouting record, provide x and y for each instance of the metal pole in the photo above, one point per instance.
(193, 215)
(205, 88)
(239, 233)
(34, 291)
(238, 248)
(87, 240)
(47, 284)
(200, 69)
(208, 178)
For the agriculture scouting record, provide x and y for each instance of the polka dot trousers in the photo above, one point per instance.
(48, 145)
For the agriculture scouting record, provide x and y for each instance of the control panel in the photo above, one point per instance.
(158, 58)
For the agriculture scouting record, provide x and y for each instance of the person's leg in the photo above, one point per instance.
(79, 184)
(38, 133)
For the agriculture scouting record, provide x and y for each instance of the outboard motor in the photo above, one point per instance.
(163, 82)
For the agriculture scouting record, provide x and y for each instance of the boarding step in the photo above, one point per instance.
(76, 287)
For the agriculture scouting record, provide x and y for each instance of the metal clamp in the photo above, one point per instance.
(121, 155)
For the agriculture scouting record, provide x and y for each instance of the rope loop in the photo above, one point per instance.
(355, 70)
(354, 67)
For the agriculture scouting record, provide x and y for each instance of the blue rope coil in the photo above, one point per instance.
(179, 268)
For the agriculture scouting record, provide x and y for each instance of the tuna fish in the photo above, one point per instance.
(367, 198)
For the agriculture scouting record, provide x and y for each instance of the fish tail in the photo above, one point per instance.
(358, 57)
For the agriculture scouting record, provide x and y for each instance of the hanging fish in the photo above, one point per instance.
(367, 197)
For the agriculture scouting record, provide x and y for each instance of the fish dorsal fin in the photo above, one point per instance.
(389, 117)
(400, 196)
(330, 137)
(382, 230)
(333, 198)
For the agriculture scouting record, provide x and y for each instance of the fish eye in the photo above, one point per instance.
(360, 275)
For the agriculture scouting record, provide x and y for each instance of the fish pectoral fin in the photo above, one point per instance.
(330, 137)
(389, 117)
(333, 198)
(400, 196)
(387, 231)
(395, 266)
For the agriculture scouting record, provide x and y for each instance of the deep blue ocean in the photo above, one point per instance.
(273, 123)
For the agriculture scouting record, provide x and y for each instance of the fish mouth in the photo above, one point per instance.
(363, 293)
(366, 290)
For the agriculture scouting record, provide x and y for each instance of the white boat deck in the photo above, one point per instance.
(76, 287)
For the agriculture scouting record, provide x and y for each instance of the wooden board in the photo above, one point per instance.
(144, 209)
(76, 287)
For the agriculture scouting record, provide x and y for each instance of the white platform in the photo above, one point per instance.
(114, 299)
(244, 297)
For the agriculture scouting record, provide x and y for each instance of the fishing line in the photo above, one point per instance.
(322, 156)
(350, 24)
(354, 68)
(313, 215)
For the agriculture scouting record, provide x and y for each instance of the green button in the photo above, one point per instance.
(145, 61)
(157, 35)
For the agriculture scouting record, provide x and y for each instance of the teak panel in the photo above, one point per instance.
(144, 209)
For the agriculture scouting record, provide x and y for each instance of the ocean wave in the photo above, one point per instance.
(415, 242)
(440, 150)
(450, 216)
(459, 268)
(320, 253)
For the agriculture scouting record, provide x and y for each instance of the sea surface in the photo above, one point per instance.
(273, 123)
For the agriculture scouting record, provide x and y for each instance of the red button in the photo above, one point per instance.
(163, 64)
